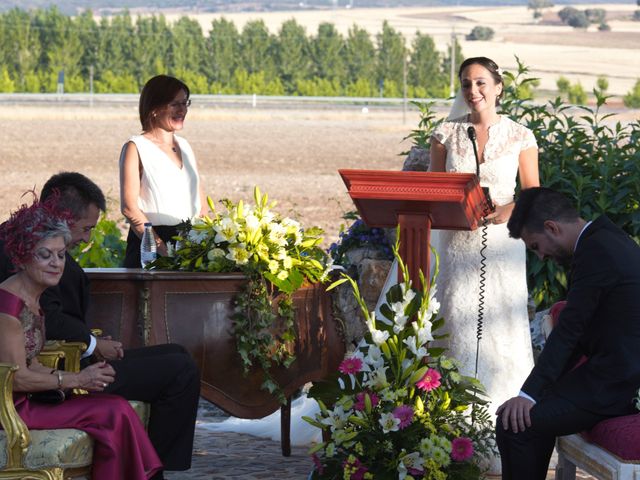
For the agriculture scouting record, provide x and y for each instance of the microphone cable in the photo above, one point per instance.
(483, 279)
(471, 133)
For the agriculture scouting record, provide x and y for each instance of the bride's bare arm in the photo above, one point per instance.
(438, 156)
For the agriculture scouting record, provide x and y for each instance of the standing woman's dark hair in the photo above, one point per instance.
(490, 65)
(158, 92)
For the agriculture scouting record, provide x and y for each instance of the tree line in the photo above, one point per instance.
(119, 54)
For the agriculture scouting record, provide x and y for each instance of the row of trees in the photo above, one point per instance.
(123, 53)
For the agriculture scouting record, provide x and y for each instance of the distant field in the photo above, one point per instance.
(293, 155)
(549, 49)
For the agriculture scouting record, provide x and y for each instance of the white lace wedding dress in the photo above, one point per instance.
(505, 354)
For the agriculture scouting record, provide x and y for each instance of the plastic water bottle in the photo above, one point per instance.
(147, 245)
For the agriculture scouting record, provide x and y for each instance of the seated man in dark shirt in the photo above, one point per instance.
(165, 376)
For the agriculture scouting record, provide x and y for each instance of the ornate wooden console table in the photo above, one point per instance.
(142, 307)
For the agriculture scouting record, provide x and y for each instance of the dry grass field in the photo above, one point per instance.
(292, 155)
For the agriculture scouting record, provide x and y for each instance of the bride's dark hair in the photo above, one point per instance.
(485, 62)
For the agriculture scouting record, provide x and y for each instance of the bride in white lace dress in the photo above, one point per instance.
(505, 149)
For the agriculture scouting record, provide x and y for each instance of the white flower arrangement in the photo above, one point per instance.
(398, 408)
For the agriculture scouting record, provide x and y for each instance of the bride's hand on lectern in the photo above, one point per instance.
(501, 214)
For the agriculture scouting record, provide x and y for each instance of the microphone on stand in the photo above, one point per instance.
(471, 133)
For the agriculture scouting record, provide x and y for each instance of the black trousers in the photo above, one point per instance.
(166, 377)
(525, 455)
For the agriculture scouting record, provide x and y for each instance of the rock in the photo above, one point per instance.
(356, 256)
(347, 310)
(372, 274)
(537, 334)
(418, 160)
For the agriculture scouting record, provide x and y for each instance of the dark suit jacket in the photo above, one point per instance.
(602, 321)
(62, 322)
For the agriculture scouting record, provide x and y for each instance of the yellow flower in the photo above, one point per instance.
(274, 266)
(238, 254)
(225, 230)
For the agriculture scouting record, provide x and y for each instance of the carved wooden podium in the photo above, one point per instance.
(418, 202)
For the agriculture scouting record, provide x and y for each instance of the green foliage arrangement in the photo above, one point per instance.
(586, 155)
(429, 121)
(398, 408)
(481, 33)
(105, 248)
(123, 52)
(277, 256)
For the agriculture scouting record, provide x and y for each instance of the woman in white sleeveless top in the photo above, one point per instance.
(159, 181)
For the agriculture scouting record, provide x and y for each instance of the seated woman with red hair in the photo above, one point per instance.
(35, 238)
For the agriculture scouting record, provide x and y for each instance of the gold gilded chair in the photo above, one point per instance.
(53, 454)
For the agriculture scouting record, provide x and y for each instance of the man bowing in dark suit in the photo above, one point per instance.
(601, 320)
(163, 375)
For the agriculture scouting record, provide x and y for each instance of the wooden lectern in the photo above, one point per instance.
(418, 202)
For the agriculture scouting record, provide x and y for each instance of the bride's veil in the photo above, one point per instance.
(459, 108)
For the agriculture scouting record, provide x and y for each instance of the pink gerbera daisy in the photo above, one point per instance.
(318, 464)
(350, 365)
(430, 380)
(404, 413)
(461, 449)
(359, 405)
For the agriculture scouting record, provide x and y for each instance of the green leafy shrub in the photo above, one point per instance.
(585, 155)
(574, 17)
(602, 83)
(632, 99)
(574, 93)
(596, 15)
(105, 248)
(481, 33)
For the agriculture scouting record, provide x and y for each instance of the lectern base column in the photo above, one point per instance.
(415, 237)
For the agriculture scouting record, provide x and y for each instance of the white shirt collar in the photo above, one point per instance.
(580, 234)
